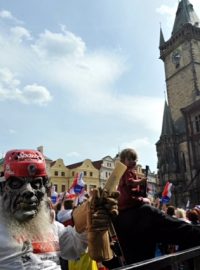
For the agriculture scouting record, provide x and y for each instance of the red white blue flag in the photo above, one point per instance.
(167, 192)
(78, 184)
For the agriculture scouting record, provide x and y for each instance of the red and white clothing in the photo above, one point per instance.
(16, 253)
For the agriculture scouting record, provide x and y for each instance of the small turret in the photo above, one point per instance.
(162, 40)
(167, 124)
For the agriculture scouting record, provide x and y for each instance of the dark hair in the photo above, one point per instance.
(58, 207)
(128, 153)
(68, 204)
(170, 210)
(192, 215)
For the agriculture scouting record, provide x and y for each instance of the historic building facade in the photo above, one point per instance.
(178, 148)
(59, 176)
(90, 173)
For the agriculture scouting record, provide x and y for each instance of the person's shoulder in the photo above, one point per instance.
(59, 227)
(148, 208)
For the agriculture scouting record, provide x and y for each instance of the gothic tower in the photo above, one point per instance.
(181, 57)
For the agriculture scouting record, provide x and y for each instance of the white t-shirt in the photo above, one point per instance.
(41, 254)
(64, 215)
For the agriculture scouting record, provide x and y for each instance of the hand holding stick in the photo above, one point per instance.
(101, 204)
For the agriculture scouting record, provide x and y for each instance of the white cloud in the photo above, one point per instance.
(19, 33)
(36, 94)
(59, 45)
(137, 144)
(134, 109)
(88, 77)
(169, 14)
(30, 94)
(166, 10)
(196, 6)
(5, 14)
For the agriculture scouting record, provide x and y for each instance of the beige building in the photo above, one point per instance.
(91, 174)
(59, 175)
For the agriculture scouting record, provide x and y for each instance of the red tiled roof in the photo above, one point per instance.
(97, 164)
(75, 165)
(52, 163)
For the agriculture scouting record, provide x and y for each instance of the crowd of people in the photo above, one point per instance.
(39, 234)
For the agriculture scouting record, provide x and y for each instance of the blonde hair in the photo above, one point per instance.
(180, 213)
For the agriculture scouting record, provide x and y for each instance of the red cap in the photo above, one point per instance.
(24, 163)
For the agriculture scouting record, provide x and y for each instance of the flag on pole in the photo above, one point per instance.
(78, 184)
(71, 193)
(167, 193)
(188, 204)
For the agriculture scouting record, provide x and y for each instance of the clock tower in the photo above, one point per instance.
(181, 57)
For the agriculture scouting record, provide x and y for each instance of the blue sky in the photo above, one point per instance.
(83, 78)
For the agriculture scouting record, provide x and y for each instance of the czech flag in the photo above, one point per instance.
(167, 193)
(77, 185)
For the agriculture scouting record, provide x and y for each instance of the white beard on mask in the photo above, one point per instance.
(38, 226)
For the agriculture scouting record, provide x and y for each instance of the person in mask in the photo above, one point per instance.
(29, 239)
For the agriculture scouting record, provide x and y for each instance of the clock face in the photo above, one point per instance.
(176, 57)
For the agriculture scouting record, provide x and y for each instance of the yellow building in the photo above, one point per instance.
(59, 175)
(91, 174)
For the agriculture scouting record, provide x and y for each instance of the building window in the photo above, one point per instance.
(56, 187)
(72, 173)
(91, 187)
(85, 173)
(197, 150)
(184, 162)
(63, 188)
(91, 174)
(56, 173)
(197, 123)
(62, 173)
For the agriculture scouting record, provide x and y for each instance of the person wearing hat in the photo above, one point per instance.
(29, 239)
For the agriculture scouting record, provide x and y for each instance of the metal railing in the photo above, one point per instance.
(185, 260)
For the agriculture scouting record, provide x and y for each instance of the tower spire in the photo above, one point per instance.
(185, 14)
(168, 125)
(162, 40)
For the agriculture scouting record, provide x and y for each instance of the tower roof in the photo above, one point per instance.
(185, 14)
(167, 124)
(162, 40)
